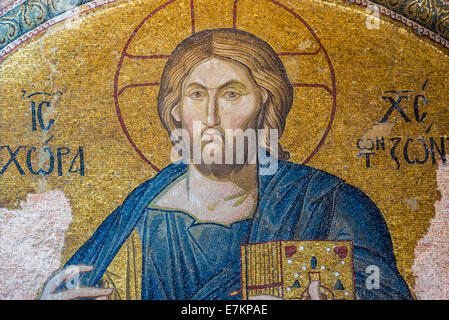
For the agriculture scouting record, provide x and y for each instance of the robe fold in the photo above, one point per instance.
(183, 259)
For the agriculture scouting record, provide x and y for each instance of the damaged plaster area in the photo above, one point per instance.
(31, 241)
(379, 130)
(431, 267)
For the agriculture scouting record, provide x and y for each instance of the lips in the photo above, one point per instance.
(211, 134)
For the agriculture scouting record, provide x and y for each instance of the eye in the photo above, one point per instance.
(231, 95)
(196, 95)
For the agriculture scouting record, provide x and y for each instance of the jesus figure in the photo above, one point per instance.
(193, 216)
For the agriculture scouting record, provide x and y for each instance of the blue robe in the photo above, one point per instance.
(183, 259)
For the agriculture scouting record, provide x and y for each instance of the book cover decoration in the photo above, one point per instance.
(285, 269)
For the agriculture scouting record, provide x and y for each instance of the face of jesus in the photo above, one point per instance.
(218, 94)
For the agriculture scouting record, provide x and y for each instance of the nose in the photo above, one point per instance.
(213, 116)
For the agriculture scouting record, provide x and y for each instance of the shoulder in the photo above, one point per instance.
(319, 182)
(153, 186)
(354, 215)
(322, 184)
(350, 205)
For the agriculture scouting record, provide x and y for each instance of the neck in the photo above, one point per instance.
(243, 181)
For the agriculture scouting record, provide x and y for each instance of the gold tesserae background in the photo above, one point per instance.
(352, 66)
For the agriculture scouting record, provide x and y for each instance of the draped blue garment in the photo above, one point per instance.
(183, 259)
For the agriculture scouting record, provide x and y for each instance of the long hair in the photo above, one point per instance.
(250, 51)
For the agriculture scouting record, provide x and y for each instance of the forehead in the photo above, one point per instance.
(214, 72)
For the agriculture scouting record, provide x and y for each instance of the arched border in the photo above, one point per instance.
(440, 9)
(8, 15)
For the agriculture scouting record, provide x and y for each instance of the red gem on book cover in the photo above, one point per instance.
(342, 251)
(289, 251)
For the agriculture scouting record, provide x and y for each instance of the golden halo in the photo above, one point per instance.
(144, 55)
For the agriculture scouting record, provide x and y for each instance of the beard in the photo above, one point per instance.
(214, 146)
